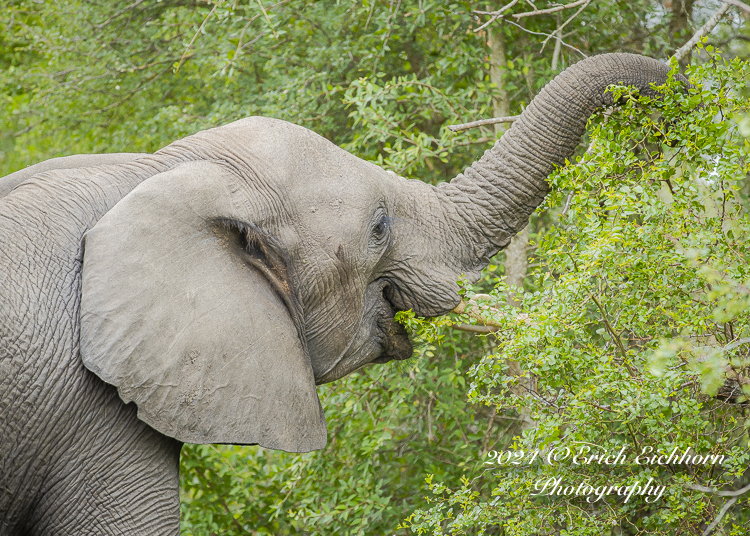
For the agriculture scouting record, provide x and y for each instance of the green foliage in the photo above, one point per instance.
(636, 337)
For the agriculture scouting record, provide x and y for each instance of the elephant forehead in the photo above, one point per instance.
(292, 164)
(292, 152)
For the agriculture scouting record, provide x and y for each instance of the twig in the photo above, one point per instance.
(558, 45)
(735, 344)
(483, 122)
(207, 480)
(486, 441)
(715, 491)
(490, 325)
(28, 128)
(706, 29)
(743, 6)
(430, 437)
(123, 10)
(387, 36)
(267, 19)
(182, 59)
(615, 336)
(372, 8)
(240, 44)
(518, 16)
(719, 517)
(560, 28)
(470, 328)
(548, 35)
(550, 10)
(567, 204)
(471, 142)
(495, 15)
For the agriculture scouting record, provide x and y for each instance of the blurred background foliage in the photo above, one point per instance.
(383, 79)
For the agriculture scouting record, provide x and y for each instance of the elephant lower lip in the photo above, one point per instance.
(397, 343)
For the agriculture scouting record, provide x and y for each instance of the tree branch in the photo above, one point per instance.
(719, 517)
(123, 10)
(706, 29)
(387, 36)
(470, 328)
(270, 24)
(550, 10)
(718, 492)
(184, 54)
(474, 312)
(735, 496)
(743, 6)
(495, 15)
(560, 28)
(549, 35)
(483, 122)
(567, 204)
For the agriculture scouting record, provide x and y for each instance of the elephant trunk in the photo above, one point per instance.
(496, 195)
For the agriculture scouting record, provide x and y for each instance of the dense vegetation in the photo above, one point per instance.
(634, 344)
(633, 331)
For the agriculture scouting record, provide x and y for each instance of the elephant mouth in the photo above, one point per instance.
(378, 339)
(397, 345)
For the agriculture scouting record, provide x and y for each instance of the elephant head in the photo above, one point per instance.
(259, 259)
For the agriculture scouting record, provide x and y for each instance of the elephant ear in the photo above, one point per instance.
(190, 320)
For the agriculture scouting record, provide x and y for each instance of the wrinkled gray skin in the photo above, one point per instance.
(200, 293)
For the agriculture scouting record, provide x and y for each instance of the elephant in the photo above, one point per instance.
(200, 293)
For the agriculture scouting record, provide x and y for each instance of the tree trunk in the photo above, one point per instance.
(680, 27)
(515, 254)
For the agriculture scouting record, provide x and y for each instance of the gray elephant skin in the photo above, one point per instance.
(199, 294)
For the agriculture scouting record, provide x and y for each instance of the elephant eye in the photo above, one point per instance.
(380, 229)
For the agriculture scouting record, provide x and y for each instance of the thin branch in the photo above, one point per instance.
(518, 16)
(615, 336)
(182, 59)
(123, 10)
(706, 29)
(735, 344)
(486, 441)
(550, 10)
(548, 35)
(560, 28)
(240, 44)
(207, 480)
(387, 36)
(495, 15)
(715, 491)
(718, 519)
(267, 19)
(461, 308)
(483, 122)
(472, 142)
(28, 128)
(743, 6)
(567, 204)
(470, 328)
(474, 312)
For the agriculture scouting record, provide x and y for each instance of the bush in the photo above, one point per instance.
(636, 338)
